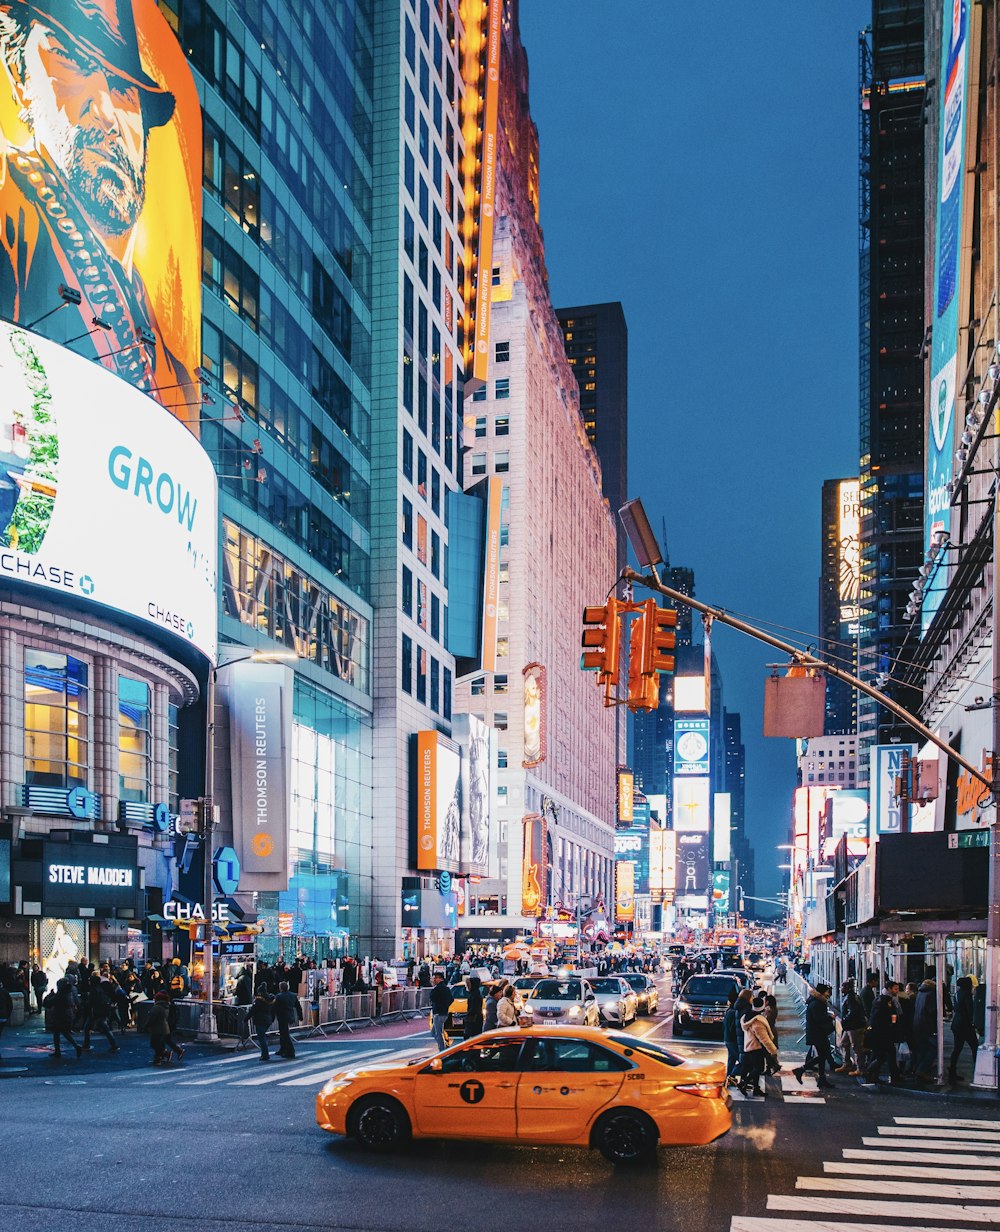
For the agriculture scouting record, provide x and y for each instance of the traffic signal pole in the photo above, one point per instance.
(802, 658)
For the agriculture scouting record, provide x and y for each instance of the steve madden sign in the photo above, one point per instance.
(81, 874)
(101, 876)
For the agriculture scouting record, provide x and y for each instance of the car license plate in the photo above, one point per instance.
(457, 1019)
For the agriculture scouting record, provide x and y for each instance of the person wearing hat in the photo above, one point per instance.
(758, 1045)
(76, 111)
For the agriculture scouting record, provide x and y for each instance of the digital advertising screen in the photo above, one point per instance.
(438, 802)
(100, 187)
(104, 495)
(691, 748)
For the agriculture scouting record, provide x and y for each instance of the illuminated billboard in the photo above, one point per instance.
(947, 317)
(693, 868)
(720, 893)
(487, 190)
(491, 573)
(436, 793)
(476, 740)
(100, 187)
(534, 715)
(690, 695)
(849, 553)
(692, 811)
(662, 862)
(722, 821)
(626, 797)
(624, 891)
(691, 749)
(886, 767)
(104, 496)
(533, 887)
(845, 812)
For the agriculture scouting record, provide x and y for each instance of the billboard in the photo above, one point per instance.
(947, 316)
(487, 191)
(849, 554)
(81, 877)
(632, 844)
(104, 496)
(691, 695)
(533, 888)
(722, 821)
(691, 805)
(534, 715)
(691, 749)
(720, 893)
(662, 862)
(845, 812)
(436, 787)
(886, 767)
(260, 726)
(626, 797)
(624, 891)
(100, 191)
(491, 573)
(475, 837)
(693, 871)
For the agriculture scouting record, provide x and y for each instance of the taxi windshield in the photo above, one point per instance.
(635, 981)
(707, 986)
(603, 986)
(558, 990)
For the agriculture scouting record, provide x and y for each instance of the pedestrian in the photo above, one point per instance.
(904, 1054)
(474, 1008)
(61, 1006)
(99, 1009)
(771, 1064)
(6, 1011)
(492, 1006)
(744, 1003)
(158, 1028)
(244, 987)
(507, 1015)
(882, 1032)
(853, 1024)
(288, 1012)
(172, 1042)
(731, 1032)
(819, 1027)
(758, 1045)
(782, 975)
(441, 1000)
(925, 1029)
(261, 1017)
(868, 994)
(39, 983)
(963, 1028)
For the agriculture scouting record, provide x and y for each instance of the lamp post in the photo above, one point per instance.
(206, 1029)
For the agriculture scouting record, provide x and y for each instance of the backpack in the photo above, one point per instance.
(177, 983)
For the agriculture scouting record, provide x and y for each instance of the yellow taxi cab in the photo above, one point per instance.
(570, 1086)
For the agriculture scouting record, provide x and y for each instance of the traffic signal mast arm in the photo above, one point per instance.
(803, 658)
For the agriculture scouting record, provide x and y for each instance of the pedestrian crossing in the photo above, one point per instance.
(808, 1093)
(926, 1174)
(311, 1066)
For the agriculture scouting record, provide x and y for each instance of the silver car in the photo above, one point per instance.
(617, 1003)
(645, 990)
(569, 1003)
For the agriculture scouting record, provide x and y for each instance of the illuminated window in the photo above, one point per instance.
(590, 385)
(501, 426)
(55, 720)
(134, 739)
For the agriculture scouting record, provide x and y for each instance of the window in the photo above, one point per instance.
(435, 618)
(501, 425)
(435, 491)
(421, 539)
(496, 276)
(435, 686)
(435, 553)
(503, 387)
(55, 720)
(422, 604)
(480, 425)
(421, 675)
(479, 395)
(499, 684)
(500, 720)
(407, 592)
(502, 793)
(134, 740)
(503, 647)
(406, 666)
(501, 462)
(488, 1059)
(501, 759)
(407, 523)
(422, 473)
(479, 464)
(502, 352)
(570, 1056)
(407, 455)
(478, 686)
(446, 693)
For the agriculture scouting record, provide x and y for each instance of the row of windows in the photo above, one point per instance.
(501, 425)
(501, 462)
(438, 565)
(431, 493)
(501, 390)
(437, 693)
(429, 612)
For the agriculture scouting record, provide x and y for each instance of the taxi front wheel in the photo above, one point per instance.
(625, 1136)
(379, 1123)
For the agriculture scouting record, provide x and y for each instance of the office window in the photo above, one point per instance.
(407, 523)
(407, 454)
(421, 539)
(435, 686)
(502, 352)
(502, 793)
(503, 387)
(500, 720)
(479, 395)
(480, 425)
(503, 647)
(55, 720)
(407, 589)
(501, 759)
(421, 675)
(422, 473)
(501, 462)
(499, 684)
(435, 618)
(422, 604)
(406, 668)
(496, 276)
(408, 233)
(435, 491)
(501, 425)
(435, 553)
(446, 693)
(478, 686)
(479, 464)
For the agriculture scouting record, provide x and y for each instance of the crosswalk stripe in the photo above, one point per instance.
(903, 1189)
(916, 1173)
(924, 1157)
(927, 1131)
(876, 1208)
(957, 1122)
(309, 1079)
(314, 1067)
(932, 1144)
(748, 1223)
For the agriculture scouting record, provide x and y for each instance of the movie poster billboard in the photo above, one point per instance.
(475, 739)
(534, 715)
(100, 187)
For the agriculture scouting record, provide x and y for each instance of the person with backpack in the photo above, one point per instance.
(820, 1026)
(178, 982)
(758, 1045)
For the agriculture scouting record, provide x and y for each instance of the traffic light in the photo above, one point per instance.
(602, 641)
(643, 678)
(662, 637)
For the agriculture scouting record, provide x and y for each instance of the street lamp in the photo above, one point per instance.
(206, 1030)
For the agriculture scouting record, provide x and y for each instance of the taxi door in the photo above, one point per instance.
(564, 1083)
(472, 1095)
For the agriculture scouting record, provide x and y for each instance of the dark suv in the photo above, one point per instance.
(702, 1003)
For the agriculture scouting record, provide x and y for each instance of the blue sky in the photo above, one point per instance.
(699, 163)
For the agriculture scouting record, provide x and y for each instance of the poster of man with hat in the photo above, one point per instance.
(100, 195)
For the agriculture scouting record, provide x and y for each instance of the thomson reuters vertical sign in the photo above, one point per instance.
(426, 799)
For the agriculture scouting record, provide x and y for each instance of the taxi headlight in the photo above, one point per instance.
(337, 1084)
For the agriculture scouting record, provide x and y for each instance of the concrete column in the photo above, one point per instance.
(104, 736)
(160, 735)
(11, 717)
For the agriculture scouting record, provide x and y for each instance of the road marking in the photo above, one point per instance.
(931, 1144)
(924, 1157)
(903, 1189)
(915, 1173)
(874, 1207)
(308, 1079)
(926, 1131)
(955, 1121)
(314, 1067)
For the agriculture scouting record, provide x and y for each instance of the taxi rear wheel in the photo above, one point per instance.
(625, 1136)
(379, 1123)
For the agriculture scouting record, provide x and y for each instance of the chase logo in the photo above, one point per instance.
(189, 630)
(87, 584)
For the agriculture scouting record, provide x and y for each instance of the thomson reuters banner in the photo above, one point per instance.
(436, 793)
(260, 724)
(100, 187)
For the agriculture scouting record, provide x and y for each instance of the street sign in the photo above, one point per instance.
(969, 838)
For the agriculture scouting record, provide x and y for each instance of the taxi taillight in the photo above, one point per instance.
(703, 1090)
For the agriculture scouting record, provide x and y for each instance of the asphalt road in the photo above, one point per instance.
(228, 1144)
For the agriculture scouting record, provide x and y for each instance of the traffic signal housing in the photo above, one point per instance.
(602, 641)
(643, 679)
(662, 637)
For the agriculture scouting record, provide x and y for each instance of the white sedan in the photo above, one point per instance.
(568, 1002)
(616, 1001)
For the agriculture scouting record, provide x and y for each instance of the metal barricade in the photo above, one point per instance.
(234, 1021)
(390, 1005)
